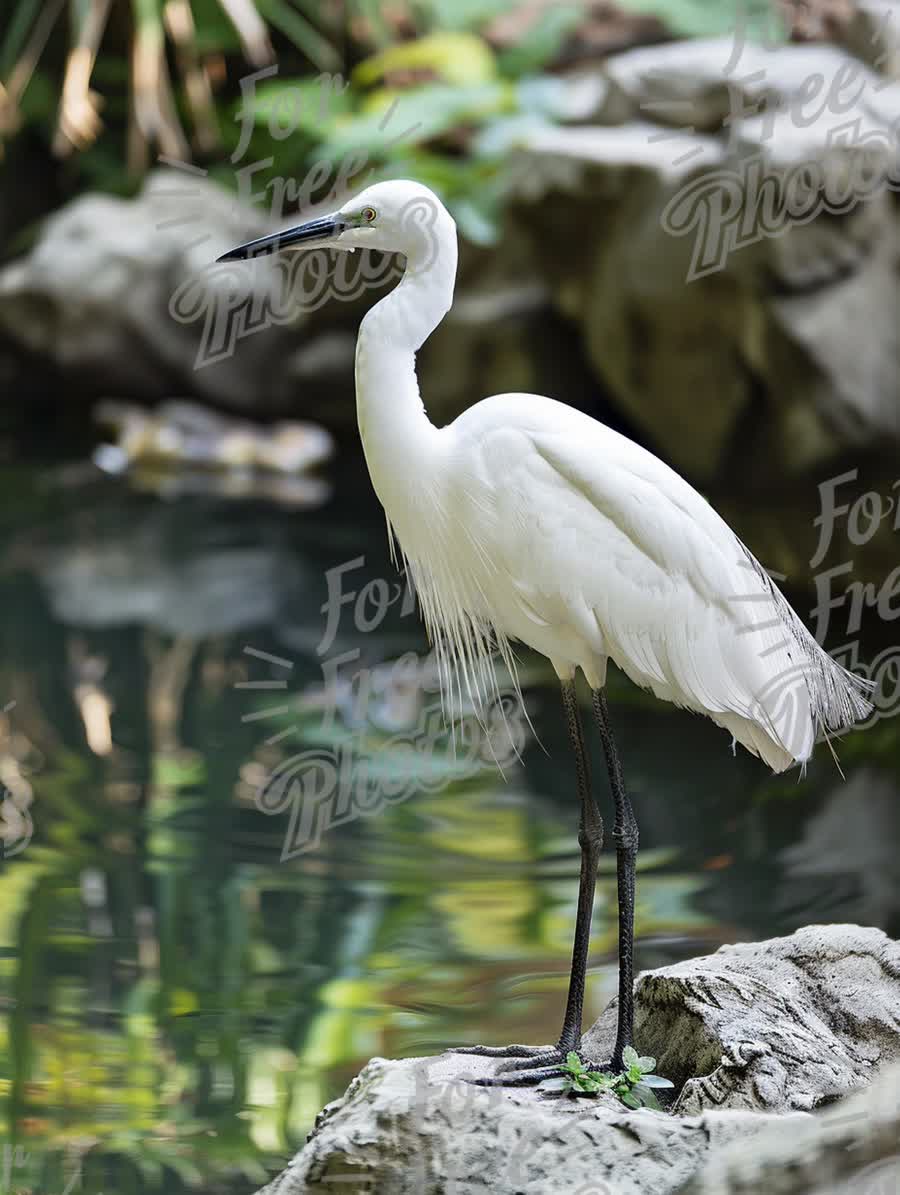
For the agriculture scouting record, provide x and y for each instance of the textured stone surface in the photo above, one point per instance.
(791, 1023)
(417, 1128)
(850, 1149)
(756, 1036)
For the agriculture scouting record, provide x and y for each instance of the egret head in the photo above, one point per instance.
(398, 216)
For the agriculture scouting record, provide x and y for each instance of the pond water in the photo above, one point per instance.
(181, 1000)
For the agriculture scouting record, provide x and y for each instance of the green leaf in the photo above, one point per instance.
(574, 1064)
(646, 1098)
(462, 14)
(630, 1056)
(630, 1100)
(462, 59)
(655, 1081)
(587, 1084)
(213, 30)
(394, 119)
(179, 771)
(647, 1064)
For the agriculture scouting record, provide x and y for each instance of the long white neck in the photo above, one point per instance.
(398, 438)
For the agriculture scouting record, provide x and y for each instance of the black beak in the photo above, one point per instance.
(323, 229)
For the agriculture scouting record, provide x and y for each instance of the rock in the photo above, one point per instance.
(791, 1023)
(685, 83)
(706, 83)
(734, 272)
(756, 1036)
(850, 1148)
(418, 1128)
(872, 32)
(125, 292)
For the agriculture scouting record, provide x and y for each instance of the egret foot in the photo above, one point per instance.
(515, 1051)
(542, 1064)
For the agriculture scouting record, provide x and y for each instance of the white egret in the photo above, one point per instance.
(527, 520)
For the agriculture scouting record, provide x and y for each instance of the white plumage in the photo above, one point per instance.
(527, 520)
(539, 524)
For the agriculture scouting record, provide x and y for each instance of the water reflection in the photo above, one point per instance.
(179, 1002)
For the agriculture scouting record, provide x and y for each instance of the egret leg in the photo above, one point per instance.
(625, 835)
(590, 839)
(541, 1059)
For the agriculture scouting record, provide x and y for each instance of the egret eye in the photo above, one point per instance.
(369, 214)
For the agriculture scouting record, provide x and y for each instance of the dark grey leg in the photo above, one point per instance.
(625, 834)
(590, 839)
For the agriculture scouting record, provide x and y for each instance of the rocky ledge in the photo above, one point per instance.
(786, 1060)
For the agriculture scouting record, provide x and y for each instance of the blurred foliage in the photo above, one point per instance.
(406, 87)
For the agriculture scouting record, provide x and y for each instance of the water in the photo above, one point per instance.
(179, 1001)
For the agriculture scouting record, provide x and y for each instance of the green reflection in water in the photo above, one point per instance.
(179, 1002)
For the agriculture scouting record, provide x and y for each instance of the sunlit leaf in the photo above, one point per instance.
(460, 58)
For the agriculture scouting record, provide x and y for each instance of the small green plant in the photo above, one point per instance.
(634, 1085)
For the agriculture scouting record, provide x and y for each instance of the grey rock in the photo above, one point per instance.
(873, 34)
(127, 290)
(418, 1128)
(788, 1024)
(852, 1148)
(709, 83)
(756, 1035)
(736, 241)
